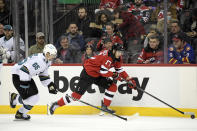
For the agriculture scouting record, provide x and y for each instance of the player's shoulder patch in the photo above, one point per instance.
(171, 48)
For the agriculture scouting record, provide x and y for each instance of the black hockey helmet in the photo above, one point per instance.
(118, 47)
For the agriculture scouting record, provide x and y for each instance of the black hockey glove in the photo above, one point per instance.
(52, 88)
(115, 75)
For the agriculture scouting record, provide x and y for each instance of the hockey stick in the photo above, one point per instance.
(123, 118)
(192, 114)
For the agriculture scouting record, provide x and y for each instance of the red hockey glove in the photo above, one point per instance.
(131, 83)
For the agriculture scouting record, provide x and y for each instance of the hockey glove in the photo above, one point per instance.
(52, 88)
(131, 83)
(116, 76)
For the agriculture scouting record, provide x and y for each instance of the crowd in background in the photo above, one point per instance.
(137, 24)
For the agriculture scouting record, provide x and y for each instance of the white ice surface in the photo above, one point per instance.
(96, 123)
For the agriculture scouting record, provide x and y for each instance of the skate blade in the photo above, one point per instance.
(48, 112)
(102, 113)
(20, 120)
(10, 99)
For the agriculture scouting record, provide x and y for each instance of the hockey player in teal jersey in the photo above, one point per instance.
(22, 74)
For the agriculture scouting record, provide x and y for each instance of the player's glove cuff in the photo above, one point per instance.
(131, 83)
(24, 84)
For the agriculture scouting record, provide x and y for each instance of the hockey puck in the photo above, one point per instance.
(192, 116)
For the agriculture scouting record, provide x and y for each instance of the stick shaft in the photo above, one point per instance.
(123, 118)
(160, 100)
(138, 88)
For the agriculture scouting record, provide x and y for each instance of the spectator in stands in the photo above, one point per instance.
(133, 32)
(83, 22)
(110, 34)
(39, 46)
(189, 4)
(141, 11)
(180, 52)
(1, 30)
(74, 37)
(152, 53)
(160, 22)
(190, 27)
(4, 13)
(128, 25)
(108, 43)
(67, 53)
(110, 4)
(180, 4)
(7, 42)
(152, 31)
(89, 52)
(105, 44)
(116, 19)
(174, 29)
(158, 13)
(99, 26)
(152, 4)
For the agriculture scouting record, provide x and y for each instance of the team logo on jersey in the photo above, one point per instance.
(108, 62)
(171, 55)
(188, 48)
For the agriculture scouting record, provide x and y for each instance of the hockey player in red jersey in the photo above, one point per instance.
(96, 71)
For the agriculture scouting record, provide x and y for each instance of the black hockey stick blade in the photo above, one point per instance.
(123, 118)
(184, 113)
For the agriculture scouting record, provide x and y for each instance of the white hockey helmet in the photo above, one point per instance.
(51, 49)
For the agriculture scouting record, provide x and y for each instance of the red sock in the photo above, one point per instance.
(106, 102)
(61, 102)
(109, 94)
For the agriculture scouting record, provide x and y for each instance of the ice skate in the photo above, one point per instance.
(12, 98)
(105, 108)
(21, 116)
(53, 107)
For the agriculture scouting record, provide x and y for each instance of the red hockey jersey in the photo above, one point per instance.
(142, 13)
(110, 3)
(154, 57)
(101, 64)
